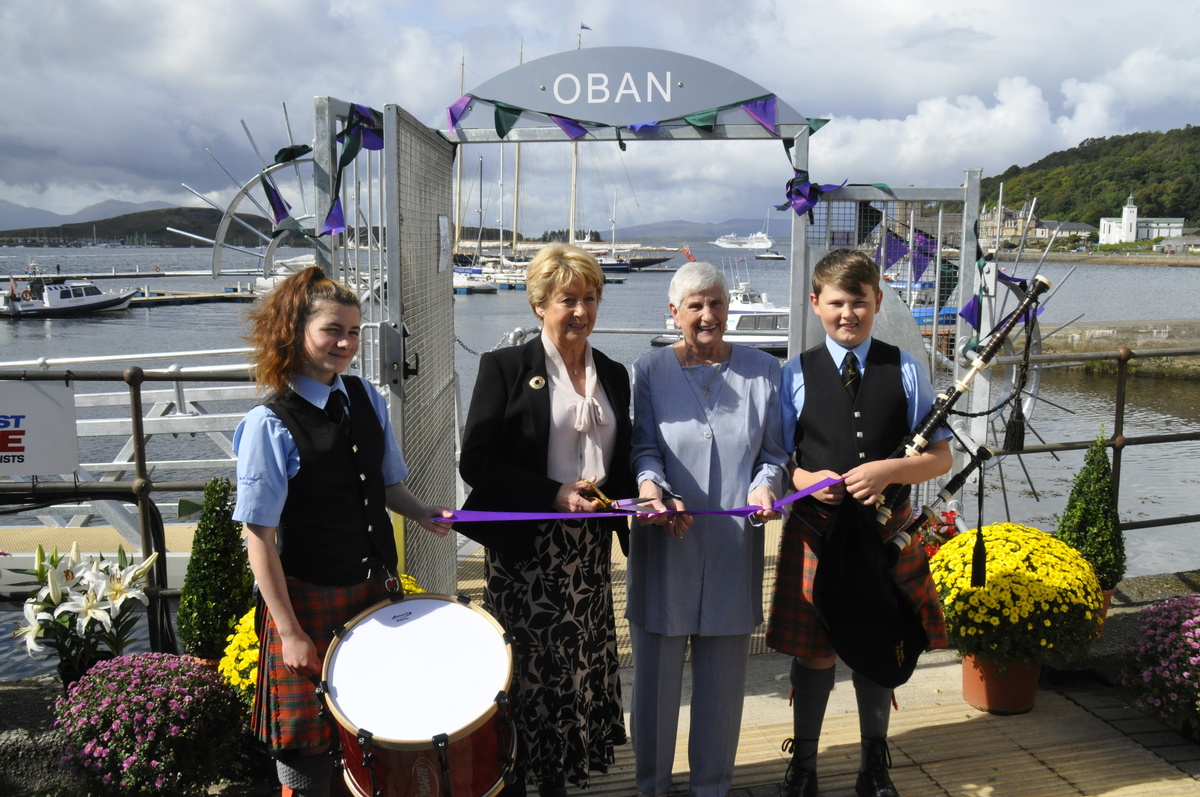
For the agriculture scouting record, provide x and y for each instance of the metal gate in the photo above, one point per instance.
(395, 252)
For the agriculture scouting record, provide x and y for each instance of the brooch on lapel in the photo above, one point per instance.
(537, 383)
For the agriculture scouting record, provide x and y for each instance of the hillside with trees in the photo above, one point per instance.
(146, 228)
(1093, 180)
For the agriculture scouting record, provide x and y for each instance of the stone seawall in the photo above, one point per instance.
(1141, 336)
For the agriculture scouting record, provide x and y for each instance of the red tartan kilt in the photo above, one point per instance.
(794, 627)
(286, 706)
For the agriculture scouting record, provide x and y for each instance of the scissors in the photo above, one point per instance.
(610, 504)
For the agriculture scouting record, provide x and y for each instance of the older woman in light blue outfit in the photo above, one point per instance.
(707, 435)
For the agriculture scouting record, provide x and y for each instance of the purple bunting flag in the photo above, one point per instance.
(572, 128)
(335, 222)
(456, 110)
(280, 209)
(763, 112)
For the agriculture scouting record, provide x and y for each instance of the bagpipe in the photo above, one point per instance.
(869, 621)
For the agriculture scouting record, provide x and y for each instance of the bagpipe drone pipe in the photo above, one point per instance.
(870, 622)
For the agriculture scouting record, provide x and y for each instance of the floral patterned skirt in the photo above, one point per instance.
(566, 693)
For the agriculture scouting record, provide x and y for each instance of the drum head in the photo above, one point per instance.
(422, 666)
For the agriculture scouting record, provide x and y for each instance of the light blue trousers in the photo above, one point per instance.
(718, 689)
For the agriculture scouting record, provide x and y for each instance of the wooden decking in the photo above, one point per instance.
(1082, 738)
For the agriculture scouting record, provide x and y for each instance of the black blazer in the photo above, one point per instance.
(507, 439)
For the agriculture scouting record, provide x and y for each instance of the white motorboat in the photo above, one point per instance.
(45, 297)
(769, 254)
(753, 321)
(473, 283)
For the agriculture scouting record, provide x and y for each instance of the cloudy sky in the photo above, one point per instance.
(120, 99)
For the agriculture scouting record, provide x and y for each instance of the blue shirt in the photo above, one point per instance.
(917, 388)
(267, 455)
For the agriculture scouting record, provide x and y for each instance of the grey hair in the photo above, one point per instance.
(696, 277)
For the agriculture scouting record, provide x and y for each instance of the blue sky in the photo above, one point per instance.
(121, 98)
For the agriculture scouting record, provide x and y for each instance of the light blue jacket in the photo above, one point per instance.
(710, 581)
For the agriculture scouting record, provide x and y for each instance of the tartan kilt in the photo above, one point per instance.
(794, 627)
(286, 706)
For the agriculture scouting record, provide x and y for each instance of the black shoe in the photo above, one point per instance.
(551, 790)
(874, 780)
(798, 781)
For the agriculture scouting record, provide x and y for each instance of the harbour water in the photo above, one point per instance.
(1157, 481)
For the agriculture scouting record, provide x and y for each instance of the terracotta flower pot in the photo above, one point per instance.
(1108, 596)
(987, 690)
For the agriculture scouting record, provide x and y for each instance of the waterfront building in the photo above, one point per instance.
(1129, 228)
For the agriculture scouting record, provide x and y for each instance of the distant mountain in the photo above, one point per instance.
(19, 217)
(677, 232)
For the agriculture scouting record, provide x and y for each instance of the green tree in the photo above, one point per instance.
(1090, 523)
(217, 587)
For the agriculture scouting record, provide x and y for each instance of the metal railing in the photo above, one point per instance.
(1118, 442)
(178, 411)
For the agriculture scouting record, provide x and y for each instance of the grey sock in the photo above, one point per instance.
(874, 713)
(810, 697)
(306, 775)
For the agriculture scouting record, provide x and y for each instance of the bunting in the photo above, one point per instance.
(572, 128)
(763, 112)
(364, 130)
(894, 248)
(923, 253)
(456, 110)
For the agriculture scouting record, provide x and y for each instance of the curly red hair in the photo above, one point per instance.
(277, 325)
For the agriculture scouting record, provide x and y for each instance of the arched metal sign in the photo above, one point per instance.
(620, 92)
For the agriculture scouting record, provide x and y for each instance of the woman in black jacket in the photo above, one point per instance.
(548, 420)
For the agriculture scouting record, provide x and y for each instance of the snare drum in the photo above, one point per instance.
(418, 688)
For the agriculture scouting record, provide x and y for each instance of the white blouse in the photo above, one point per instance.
(582, 428)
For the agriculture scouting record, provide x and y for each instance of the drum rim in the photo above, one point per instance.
(414, 744)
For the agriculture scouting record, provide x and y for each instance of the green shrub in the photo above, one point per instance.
(1090, 523)
(217, 587)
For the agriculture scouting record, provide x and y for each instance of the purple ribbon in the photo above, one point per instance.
(802, 195)
(632, 507)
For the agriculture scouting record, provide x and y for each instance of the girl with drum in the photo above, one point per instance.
(317, 465)
(548, 423)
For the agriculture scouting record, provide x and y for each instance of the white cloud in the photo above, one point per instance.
(121, 100)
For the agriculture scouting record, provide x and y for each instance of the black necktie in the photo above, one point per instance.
(850, 375)
(335, 407)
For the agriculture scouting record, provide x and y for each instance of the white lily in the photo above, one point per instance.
(87, 606)
(75, 557)
(32, 629)
(54, 586)
(118, 585)
(144, 567)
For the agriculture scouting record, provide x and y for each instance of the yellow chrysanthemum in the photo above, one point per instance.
(1039, 594)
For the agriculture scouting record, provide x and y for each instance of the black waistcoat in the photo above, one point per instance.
(833, 433)
(334, 517)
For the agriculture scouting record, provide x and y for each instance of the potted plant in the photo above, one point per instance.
(1040, 597)
(1160, 668)
(1090, 523)
(83, 610)
(148, 724)
(217, 587)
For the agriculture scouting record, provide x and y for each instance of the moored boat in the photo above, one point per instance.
(753, 321)
(45, 297)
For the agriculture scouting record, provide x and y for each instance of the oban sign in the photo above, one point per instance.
(37, 429)
(644, 91)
